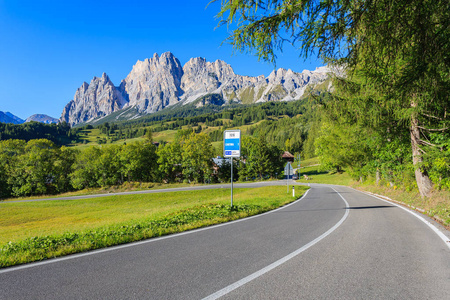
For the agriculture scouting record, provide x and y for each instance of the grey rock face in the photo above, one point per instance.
(201, 77)
(209, 99)
(97, 99)
(154, 83)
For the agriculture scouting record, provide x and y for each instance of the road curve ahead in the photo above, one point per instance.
(335, 243)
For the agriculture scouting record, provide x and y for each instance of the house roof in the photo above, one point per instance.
(287, 155)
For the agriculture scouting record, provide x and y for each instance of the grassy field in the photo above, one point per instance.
(31, 231)
(437, 206)
(311, 169)
(94, 137)
(125, 187)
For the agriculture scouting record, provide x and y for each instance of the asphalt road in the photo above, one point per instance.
(335, 243)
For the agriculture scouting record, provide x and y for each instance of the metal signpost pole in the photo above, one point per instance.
(231, 182)
(286, 172)
(232, 148)
(289, 174)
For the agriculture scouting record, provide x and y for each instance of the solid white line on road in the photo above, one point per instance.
(279, 262)
(437, 231)
(113, 248)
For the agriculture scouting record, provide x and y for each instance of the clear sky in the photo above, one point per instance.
(49, 48)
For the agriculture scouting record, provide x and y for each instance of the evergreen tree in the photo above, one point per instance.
(401, 48)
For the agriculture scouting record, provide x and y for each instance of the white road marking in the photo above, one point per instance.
(437, 231)
(279, 262)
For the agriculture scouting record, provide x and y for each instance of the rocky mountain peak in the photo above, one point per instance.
(161, 81)
(154, 83)
(96, 99)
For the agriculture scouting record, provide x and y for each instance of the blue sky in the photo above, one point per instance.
(49, 48)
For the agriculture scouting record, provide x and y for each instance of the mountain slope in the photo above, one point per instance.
(42, 119)
(7, 117)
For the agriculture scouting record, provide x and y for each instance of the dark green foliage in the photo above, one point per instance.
(39, 167)
(35, 167)
(60, 134)
(224, 171)
(397, 85)
(174, 118)
(260, 160)
(114, 164)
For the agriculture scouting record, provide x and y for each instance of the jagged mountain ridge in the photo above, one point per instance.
(161, 81)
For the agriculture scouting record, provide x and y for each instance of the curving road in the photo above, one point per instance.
(335, 243)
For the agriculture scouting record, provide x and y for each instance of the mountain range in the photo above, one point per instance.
(161, 82)
(7, 117)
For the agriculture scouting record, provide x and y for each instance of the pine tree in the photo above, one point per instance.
(400, 47)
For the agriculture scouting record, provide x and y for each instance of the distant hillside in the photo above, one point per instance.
(60, 133)
(42, 119)
(7, 117)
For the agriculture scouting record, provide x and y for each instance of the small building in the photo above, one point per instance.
(288, 157)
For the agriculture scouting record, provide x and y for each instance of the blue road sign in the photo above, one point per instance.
(232, 143)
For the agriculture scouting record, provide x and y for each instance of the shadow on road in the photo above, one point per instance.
(323, 209)
(368, 207)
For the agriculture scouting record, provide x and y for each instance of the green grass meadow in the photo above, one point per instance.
(311, 169)
(32, 231)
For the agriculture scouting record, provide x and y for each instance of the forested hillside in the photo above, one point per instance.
(58, 133)
(68, 159)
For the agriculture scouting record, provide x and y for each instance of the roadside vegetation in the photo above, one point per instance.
(315, 174)
(32, 231)
(436, 206)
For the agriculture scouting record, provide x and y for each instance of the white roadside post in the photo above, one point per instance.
(232, 148)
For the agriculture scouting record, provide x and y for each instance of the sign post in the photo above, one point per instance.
(287, 173)
(232, 148)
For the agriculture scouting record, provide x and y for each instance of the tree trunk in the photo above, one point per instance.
(423, 181)
(378, 176)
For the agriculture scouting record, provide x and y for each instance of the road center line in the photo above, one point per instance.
(281, 261)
